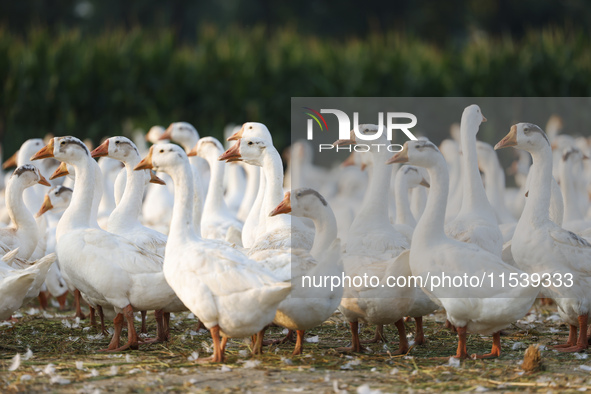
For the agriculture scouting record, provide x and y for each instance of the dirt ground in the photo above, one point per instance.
(59, 354)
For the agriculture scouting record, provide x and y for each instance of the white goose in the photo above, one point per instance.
(542, 246)
(407, 177)
(231, 294)
(255, 219)
(279, 232)
(157, 207)
(56, 201)
(124, 220)
(216, 220)
(24, 233)
(20, 281)
(374, 247)
(483, 310)
(108, 269)
(310, 306)
(476, 222)
(569, 170)
(187, 136)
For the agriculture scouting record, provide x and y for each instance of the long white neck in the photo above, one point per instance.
(403, 213)
(214, 201)
(253, 179)
(19, 214)
(126, 213)
(181, 225)
(273, 171)
(77, 215)
(569, 193)
(474, 198)
(431, 224)
(537, 203)
(374, 207)
(325, 224)
(495, 184)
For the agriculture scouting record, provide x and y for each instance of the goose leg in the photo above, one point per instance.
(42, 299)
(299, 347)
(144, 329)
(218, 352)
(572, 338)
(132, 340)
(160, 333)
(258, 343)
(118, 325)
(102, 316)
(62, 301)
(92, 317)
(582, 341)
(496, 348)
(166, 325)
(403, 346)
(379, 336)
(450, 326)
(77, 300)
(355, 344)
(420, 334)
(462, 352)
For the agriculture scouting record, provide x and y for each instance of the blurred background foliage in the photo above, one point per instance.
(94, 68)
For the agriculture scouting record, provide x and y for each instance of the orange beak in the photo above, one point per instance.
(43, 181)
(62, 170)
(237, 135)
(155, 179)
(509, 140)
(400, 157)
(167, 134)
(284, 206)
(11, 162)
(146, 163)
(193, 151)
(232, 154)
(45, 152)
(349, 161)
(483, 119)
(45, 207)
(101, 150)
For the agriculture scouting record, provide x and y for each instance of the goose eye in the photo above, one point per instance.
(117, 142)
(63, 142)
(250, 127)
(250, 143)
(161, 150)
(299, 195)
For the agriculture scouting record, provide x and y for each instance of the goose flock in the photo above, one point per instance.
(175, 222)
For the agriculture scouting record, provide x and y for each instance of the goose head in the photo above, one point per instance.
(419, 153)
(65, 149)
(163, 157)
(472, 117)
(208, 148)
(303, 202)
(118, 148)
(26, 176)
(153, 135)
(414, 176)
(58, 198)
(249, 150)
(182, 132)
(22, 156)
(252, 129)
(525, 136)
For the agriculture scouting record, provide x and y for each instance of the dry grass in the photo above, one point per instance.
(321, 369)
